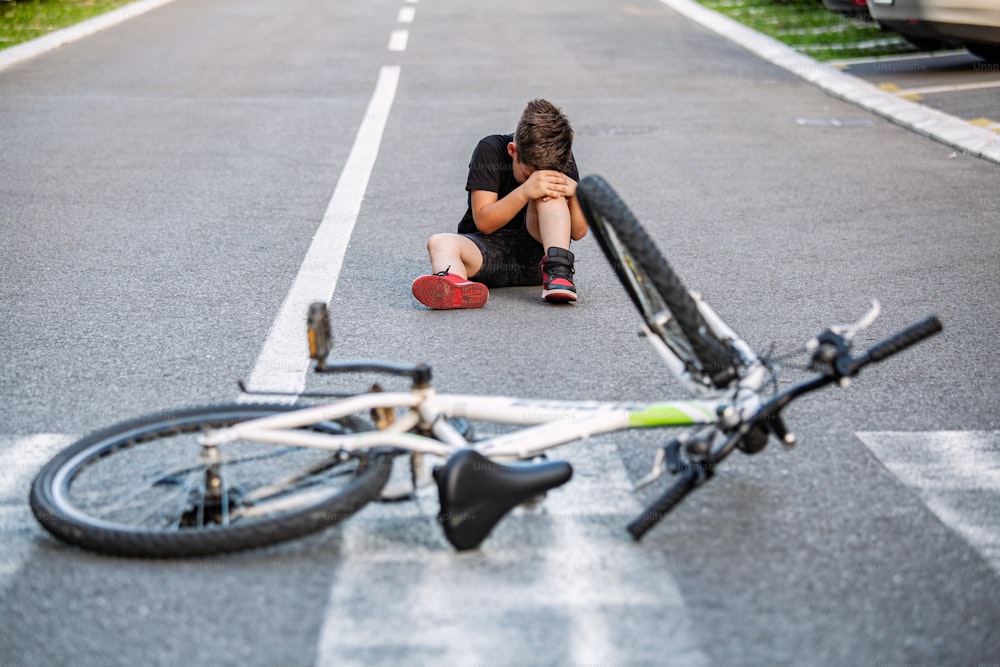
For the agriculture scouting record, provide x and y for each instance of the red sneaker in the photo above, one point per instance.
(443, 291)
(557, 276)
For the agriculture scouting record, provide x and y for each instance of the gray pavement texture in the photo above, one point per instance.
(162, 180)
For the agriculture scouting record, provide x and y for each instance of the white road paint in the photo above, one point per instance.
(22, 457)
(956, 474)
(284, 360)
(464, 608)
(952, 88)
(406, 14)
(398, 40)
(938, 125)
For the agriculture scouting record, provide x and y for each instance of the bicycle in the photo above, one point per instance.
(215, 479)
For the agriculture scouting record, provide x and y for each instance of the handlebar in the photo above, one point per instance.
(688, 481)
(841, 365)
(898, 342)
(321, 345)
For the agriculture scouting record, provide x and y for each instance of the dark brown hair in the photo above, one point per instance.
(544, 137)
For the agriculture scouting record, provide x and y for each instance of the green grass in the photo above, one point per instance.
(23, 20)
(810, 28)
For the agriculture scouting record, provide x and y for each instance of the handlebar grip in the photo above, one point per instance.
(896, 343)
(666, 502)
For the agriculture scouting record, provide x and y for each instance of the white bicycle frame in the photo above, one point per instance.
(549, 423)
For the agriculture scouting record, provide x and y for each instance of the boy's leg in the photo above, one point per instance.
(549, 223)
(453, 258)
(454, 253)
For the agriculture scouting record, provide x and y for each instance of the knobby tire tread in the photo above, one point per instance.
(711, 353)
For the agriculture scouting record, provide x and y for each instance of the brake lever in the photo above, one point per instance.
(661, 455)
(697, 445)
(847, 332)
(835, 344)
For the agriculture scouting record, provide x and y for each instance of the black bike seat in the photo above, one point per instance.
(475, 492)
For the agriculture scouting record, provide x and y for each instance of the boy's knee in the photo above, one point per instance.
(553, 206)
(439, 242)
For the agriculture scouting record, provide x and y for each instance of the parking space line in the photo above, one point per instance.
(986, 123)
(844, 63)
(952, 88)
(938, 125)
(899, 92)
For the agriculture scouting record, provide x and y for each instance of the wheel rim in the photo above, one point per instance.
(167, 493)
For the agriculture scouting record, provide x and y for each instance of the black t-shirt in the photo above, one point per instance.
(492, 169)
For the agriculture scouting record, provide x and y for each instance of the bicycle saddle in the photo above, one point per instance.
(475, 492)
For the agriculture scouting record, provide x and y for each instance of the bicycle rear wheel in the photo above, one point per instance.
(146, 487)
(666, 305)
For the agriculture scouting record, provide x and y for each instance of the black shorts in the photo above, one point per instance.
(511, 258)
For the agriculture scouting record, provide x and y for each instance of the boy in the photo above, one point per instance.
(522, 208)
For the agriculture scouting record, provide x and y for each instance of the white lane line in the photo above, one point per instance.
(22, 457)
(398, 40)
(956, 474)
(284, 361)
(54, 40)
(556, 598)
(406, 14)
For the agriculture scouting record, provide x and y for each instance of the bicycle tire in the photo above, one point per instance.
(108, 462)
(662, 299)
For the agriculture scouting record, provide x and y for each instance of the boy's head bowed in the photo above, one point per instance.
(544, 137)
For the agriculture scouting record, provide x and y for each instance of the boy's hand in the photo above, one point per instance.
(546, 184)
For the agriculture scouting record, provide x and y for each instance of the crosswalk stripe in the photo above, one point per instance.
(22, 457)
(957, 476)
(462, 608)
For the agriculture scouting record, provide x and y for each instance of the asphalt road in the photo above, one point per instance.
(162, 182)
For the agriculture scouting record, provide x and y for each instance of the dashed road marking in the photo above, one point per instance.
(398, 40)
(406, 14)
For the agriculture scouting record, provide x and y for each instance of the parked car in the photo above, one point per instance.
(855, 9)
(935, 24)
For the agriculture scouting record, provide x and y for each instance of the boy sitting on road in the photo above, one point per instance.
(522, 208)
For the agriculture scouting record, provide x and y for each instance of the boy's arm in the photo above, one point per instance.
(577, 220)
(490, 213)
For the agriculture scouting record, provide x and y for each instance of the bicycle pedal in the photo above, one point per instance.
(318, 330)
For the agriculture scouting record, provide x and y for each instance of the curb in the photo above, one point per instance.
(919, 118)
(36, 47)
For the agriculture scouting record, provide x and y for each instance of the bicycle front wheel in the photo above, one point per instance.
(666, 305)
(148, 488)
